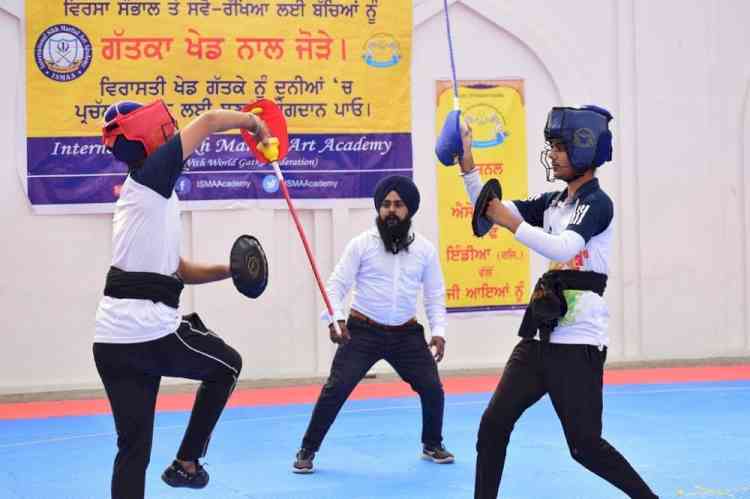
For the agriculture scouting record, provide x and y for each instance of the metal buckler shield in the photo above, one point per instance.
(249, 266)
(480, 224)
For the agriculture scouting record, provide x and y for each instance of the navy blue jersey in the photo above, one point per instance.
(589, 213)
(592, 214)
(161, 169)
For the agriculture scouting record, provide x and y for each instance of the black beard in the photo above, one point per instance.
(395, 233)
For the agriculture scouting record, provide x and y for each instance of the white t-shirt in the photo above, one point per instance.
(145, 238)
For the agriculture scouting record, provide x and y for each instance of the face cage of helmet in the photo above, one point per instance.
(547, 164)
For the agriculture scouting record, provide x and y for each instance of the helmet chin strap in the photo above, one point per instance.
(551, 176)
(572, 178)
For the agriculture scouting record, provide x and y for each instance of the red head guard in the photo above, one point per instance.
(150, 126)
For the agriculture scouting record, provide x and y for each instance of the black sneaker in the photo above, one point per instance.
(176, 476)
(303, 462)
(437, 454)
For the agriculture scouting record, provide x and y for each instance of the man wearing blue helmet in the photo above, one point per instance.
(139, 334)
(564, 330)
(386, 266)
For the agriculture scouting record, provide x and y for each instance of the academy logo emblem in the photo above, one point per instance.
(62, 52)
(583, 137)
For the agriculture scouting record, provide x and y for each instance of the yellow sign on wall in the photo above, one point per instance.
(314, 57)
(338, 69)
(491, 273)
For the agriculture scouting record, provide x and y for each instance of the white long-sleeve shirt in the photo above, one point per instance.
(557, 247)
(386, 286)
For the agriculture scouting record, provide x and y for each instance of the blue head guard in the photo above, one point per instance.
(585, 134)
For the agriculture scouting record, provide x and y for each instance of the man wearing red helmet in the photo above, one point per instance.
(140, 336)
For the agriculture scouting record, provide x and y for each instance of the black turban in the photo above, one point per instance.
(403, 186)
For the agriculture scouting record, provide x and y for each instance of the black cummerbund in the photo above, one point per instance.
(144, 286)
(548, 303)
(579, 279)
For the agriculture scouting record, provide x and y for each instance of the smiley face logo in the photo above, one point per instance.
(488, 126)
(381, 51)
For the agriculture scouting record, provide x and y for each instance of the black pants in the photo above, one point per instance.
(409, 355)
(131, 374)
(572, 375)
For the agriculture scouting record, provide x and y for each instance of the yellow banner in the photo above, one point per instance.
(334, 66)
(491, 273)
(339, 70)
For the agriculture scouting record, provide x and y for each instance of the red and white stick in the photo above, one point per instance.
(272, 153)
(309, 252)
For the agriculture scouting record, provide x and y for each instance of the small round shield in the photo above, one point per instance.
(249, 266)
(480, 224)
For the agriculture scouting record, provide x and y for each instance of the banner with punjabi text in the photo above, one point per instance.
(491, 273)
(339, 69)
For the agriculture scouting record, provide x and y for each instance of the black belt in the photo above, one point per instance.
(548, 305)
(353, 314)
(144, 286)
